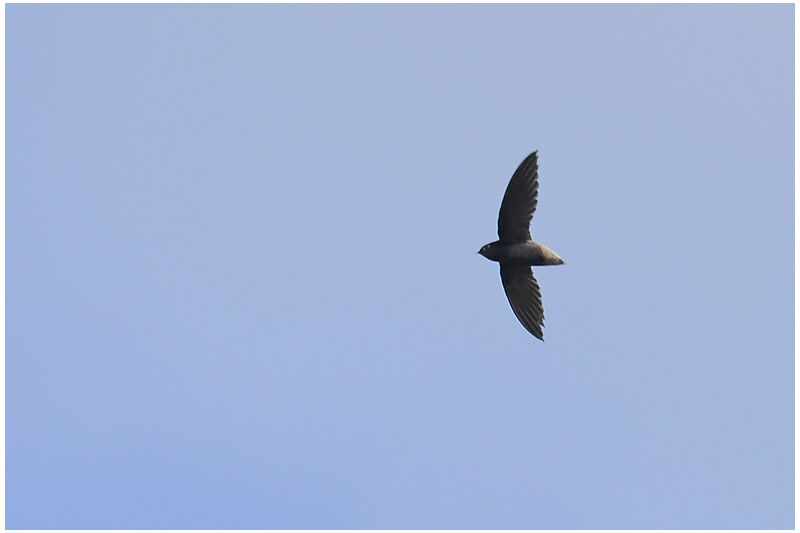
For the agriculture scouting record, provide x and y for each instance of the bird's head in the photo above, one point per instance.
(486, 251)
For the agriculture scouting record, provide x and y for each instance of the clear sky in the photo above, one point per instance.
(243, 288)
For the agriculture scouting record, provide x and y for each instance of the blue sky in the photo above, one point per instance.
(243, 289)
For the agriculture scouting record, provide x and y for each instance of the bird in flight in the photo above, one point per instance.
(516, 252)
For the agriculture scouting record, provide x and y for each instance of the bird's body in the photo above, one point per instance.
(516, 251)
(528, 253)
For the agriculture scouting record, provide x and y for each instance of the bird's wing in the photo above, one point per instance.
(524, 296)
(519, 202)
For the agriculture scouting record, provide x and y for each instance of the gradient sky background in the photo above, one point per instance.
(243, 289)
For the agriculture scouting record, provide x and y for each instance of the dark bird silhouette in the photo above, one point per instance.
(516, 252)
